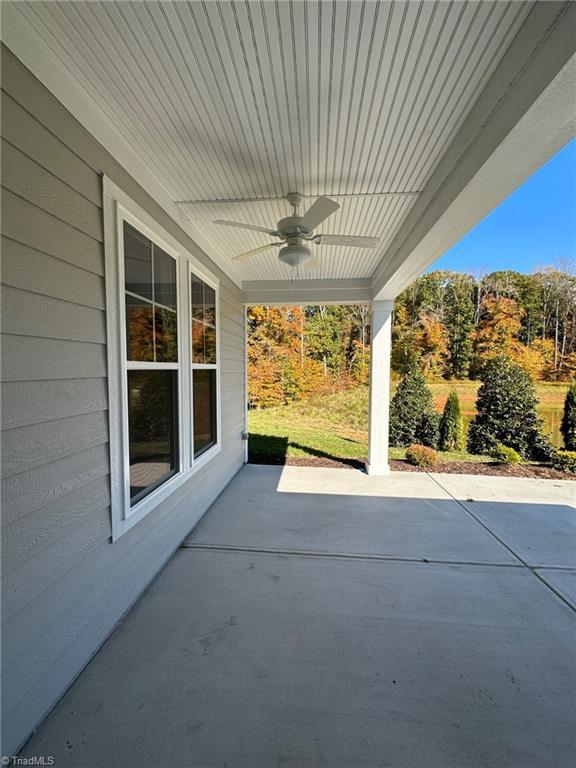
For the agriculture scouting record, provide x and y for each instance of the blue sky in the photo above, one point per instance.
(535, 226)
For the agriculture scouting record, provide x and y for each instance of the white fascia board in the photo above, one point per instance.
(29, 47)
(526, 113)
(307, 292)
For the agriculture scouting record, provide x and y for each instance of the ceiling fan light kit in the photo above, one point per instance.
(295, 255)
(295, 232)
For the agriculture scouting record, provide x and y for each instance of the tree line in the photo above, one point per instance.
(454, 323)
(450, 323)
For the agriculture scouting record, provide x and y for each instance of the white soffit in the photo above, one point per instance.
(248, 101)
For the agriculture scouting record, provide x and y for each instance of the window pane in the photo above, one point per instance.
(209, 344)
(137, 262)
(153, 432)
(197, 298)
(209, 305)
(151, 326)
(164, 278)
(197, 341)
(139, 329)
(204, 393)
(166, 333)
(203, 322)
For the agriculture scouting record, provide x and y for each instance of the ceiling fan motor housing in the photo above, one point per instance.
(291, 225)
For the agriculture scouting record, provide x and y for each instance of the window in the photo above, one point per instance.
(204, 366)
(152, 429)
(163, 377)
(152, 362)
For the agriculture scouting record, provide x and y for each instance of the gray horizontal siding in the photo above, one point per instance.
(43, 527)
(33, 271)
(28, 491)
(22, 130)
(34, 402)
(65, 584)
(43, 573)
(40, 187)
(232, 380)
(27, 224)
(31, 314)
(53, 359)
(32, 446)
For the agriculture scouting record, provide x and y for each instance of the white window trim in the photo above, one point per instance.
(213, 283)
(119, 207)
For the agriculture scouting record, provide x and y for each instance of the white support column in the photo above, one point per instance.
(378, 414)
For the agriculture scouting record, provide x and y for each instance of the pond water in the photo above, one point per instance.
(552, 416)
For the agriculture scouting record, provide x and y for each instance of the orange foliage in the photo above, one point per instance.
(498, 330)
(433, 341)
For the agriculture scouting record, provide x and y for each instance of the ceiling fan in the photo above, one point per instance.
(296, 232)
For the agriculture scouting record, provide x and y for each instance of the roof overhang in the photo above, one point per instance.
(524, 116)
(521, 112)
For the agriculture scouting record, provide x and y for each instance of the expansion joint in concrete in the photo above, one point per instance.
(532, 568)
(341, 555)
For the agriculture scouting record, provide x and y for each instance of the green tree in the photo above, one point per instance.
(506, 412)
(451, 425)
(405, 339)
(530, 299)
(428, 430)
(410, 411)
(325, 338)
(568, 425)
(460, 323)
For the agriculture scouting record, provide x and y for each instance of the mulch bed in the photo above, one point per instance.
(498, 470)
(448, 467)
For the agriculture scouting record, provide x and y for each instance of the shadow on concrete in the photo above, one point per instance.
(273, 450)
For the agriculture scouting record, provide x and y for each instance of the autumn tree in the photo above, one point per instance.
(498, 329)
(433, 343)
(450, 324)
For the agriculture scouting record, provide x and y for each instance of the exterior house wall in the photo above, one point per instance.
(65, 583)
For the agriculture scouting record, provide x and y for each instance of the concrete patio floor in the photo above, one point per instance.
(322, 618)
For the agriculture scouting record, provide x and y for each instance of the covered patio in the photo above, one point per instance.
(321, 617)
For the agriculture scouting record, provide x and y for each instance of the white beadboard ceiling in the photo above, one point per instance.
(234, 104)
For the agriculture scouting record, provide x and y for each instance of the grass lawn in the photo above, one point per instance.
(336, 426)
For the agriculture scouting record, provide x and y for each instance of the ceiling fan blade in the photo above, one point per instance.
(318, 211)
(351, 240)
(238, 225)
(248, 254)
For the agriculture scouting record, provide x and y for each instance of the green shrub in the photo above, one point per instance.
(421, 456)
(568, 425)
(565, 461)
(451, 432)
(428, 430)
(412, 416)
(506, 412)
(505, 455)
